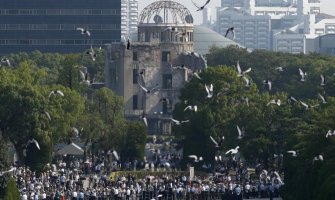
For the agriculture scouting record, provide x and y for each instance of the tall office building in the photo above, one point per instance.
(253, 32)
(232, 3)
(50, 26)
(207, 17)
(129, 17)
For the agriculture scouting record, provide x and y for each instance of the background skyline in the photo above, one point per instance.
(327, 6)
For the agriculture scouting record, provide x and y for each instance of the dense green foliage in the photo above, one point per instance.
(269, 129)
(26, 101)
(53, 63)
(136, 137)
(11, 192)
(263, 64)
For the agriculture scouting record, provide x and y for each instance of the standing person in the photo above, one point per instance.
(247, 190)
(271, 191)
(81, 195)
(74, 195)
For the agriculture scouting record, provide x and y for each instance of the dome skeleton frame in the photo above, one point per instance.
(178, 12)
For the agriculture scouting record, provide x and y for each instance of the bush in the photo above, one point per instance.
(12, 193)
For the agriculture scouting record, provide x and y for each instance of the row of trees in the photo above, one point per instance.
(269, 129)
(28, 110)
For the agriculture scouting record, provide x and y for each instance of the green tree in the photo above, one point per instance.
(24, 103)
(11, 192)
(135, 139)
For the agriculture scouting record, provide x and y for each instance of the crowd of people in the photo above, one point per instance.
(77, 180)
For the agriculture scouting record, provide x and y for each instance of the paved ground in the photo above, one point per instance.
(85, 183)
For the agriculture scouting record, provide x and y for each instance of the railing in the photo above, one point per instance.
(133, 112)
(185, 196)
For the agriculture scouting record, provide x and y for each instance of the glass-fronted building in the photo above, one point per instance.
(50, 26)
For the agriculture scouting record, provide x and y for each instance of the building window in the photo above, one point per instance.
(167, 81)
(114, 76)
(24, 41)
(13, 12)
(115, 55)
(135, 102)
(135, 76)
(166, 56)
(135, 56)
(167, 107)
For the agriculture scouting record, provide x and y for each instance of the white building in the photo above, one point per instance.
(207, 17)
(253, 32)
(129, 17)
(281, 25)
(288, 41)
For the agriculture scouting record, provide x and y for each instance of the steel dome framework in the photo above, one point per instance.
(166, 11)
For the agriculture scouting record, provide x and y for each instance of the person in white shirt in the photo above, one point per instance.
(44, 196)
(74, 195)
(24, 196)
(36, 197)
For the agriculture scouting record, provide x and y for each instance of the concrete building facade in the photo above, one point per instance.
(325, 44)
(165, 33)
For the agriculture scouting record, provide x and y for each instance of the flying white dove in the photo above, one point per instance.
(240, 132)
(293, 153)
(83, 75)
(330, 133)
(194, 108)
(302, 74)
(290, 99)
(115, 154)
(274, 101)
(307, 107)
(84, 31)
(56, 92)
(179, 67)
(280, 69)
(47, 115)
(246, 100)
(269, 83)
(170, 28)
(196, 158)
(323, 99)
(91, 53)
(247, 81)
(232, 30)
(144, 118)
(239, 70)
(318, 158)
(34, 142)
(200, 7)
(323, 80)
(5, 61)
(217, 144)
(148, 91)
(179, 122)
(233, 151)
(209, 90)
(196, 75)
(8, 171)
